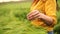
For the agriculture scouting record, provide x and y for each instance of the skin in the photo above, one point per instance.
(36, 14)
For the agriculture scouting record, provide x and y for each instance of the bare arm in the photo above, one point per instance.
(48, 20)
(36, 14)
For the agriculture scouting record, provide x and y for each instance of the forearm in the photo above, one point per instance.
(48, 20)
(36, 14)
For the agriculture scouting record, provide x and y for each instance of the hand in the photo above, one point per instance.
(34, 14)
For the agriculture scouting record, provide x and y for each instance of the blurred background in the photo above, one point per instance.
(13, 18)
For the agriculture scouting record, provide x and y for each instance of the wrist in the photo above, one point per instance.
(41, 15)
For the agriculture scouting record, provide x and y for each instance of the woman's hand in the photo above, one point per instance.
(33, 14)
(36, 14)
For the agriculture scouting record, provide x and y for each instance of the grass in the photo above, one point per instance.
(13, 19)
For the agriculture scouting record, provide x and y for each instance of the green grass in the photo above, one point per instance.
(13, 19)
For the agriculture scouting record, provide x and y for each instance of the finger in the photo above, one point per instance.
(36, 16)
(33, 12)
(32, 15)
(29, 18)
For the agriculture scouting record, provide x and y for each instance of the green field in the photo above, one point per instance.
(13, 19)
